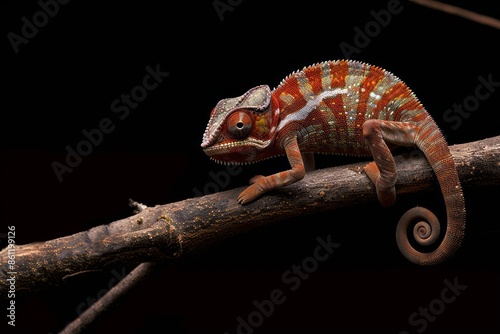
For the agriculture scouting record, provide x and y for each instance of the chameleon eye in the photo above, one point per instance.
(239, 125)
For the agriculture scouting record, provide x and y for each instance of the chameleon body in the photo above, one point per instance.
(341, 107)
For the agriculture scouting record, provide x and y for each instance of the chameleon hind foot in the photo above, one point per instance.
(386, 195)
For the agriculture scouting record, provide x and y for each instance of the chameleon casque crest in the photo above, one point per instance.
(341, 107)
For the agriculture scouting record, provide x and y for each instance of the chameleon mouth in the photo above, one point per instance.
(228, 147)
(236, 153)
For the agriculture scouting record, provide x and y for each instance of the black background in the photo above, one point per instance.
(66, 77)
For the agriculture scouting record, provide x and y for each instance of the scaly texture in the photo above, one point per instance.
(342, 107)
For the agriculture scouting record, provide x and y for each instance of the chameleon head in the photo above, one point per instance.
(242, 129)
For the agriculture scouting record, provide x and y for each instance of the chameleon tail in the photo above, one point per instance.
(426, 227)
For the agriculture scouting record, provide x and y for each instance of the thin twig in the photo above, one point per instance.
(454, 10)
(97, 310)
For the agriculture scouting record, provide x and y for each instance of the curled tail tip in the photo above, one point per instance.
(426, 229)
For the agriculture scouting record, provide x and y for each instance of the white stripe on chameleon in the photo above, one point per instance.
(302, 113)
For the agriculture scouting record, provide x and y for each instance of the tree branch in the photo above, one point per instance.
(172, 231)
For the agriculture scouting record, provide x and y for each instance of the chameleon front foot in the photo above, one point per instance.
(255, 190)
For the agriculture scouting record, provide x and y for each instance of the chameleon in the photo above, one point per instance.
(345, 107)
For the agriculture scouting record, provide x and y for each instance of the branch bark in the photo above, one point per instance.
(172, 231)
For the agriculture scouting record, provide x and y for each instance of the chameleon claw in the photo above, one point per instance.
(250, 194)
(241, 200)
(244, 198)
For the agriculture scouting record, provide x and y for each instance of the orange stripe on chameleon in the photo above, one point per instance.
(372, 78)
(289, 96)
(338, 72)
(392, 93)
(313, 75)
(411, 107)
